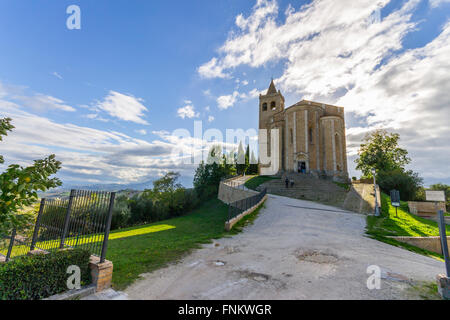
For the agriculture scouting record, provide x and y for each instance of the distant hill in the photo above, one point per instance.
(66, 187)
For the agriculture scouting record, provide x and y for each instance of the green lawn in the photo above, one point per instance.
(253, 183)
(148, 251)
(405, 224)
(141, 249)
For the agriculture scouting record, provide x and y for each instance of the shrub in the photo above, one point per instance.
(121, 213)
(149, 206)
(40, 276)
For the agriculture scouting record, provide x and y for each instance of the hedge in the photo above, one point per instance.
(40, 276)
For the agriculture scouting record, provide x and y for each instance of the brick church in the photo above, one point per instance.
(310, 139)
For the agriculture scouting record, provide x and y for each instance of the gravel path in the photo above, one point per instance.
(294, 250)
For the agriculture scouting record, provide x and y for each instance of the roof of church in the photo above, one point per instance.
(272, 88)
(313, 103)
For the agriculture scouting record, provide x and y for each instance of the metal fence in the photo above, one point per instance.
(13, 245)
(83, 220)
(236, 208)
(236, 184)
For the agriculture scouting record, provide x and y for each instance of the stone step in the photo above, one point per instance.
(308, 188)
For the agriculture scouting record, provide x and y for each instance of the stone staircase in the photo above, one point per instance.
(308, 187)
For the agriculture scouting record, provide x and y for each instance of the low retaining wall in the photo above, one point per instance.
(230, 223)
(229, 194)
(425, 207)
(428, 243)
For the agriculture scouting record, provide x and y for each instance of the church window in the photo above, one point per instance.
(264, 107)
(273, 105)
(292, 135)
(310, 133)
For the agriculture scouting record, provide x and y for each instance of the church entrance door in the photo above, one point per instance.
(301, 167)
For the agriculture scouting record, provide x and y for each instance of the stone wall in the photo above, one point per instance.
(425, 207)
(229, 194)
(428, 243)
(361, 198)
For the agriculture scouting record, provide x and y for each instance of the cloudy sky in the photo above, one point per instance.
(107, 98)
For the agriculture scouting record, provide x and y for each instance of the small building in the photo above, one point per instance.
(311, 136)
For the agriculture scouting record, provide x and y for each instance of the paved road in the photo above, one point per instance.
(294, 250)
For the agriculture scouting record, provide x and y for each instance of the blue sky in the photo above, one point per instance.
(106, 98)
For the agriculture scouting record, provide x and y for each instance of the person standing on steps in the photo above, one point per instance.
(286, 181)
(292, 183)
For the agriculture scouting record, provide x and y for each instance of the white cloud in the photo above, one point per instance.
(437, 3)
(124, 107)
(211, 119)
(42, 102)
(142, 131)
(22, 98)
(212, 70)
(56, 74)
(90, 155)
(188, 111)
(227, 101)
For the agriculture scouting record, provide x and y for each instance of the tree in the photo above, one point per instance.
(407, 182)
(247, 160)
(167, 184)
(19, 185)
(253, 164)
(5, 126)
(240, 159)
(446, 189)
(208, 175)
(381, 151)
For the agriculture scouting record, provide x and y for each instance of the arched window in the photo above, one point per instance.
(273, 105)
(292, 135)
(310, 133)
(264, 107)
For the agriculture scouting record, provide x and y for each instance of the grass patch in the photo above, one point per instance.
(346, 186)
(405, 224)
(424, 290)
(247, 220)
(147, 251)
(255, 182)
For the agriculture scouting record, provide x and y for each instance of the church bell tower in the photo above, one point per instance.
(271, 107)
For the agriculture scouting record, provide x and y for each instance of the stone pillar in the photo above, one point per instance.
(286, 143)
(295, 142)
(101, 273)
(443, 284)
(317, 144)
(306, 131)
(306, 141)
(333, 143)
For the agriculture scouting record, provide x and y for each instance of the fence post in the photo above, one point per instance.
(67, 219)
(37, 225)
(107, 227)
(11, 244)
(444, 246)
